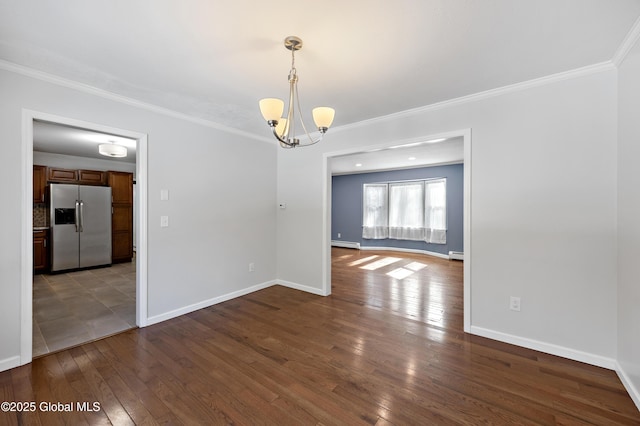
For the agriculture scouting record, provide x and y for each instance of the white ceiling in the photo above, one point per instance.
(416, 154)
(59, 139)
(367, 58)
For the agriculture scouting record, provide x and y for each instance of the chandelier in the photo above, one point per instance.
(284, 128)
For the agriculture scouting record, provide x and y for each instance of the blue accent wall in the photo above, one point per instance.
(346, 206)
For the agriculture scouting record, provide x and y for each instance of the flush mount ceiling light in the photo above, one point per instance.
(112, 150)
(284, 128)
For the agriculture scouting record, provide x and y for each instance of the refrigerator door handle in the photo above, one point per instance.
(77, 215)
(81, 214)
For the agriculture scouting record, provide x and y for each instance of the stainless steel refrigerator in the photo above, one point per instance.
(80, 226)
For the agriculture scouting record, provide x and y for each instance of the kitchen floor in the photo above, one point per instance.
(77, 307)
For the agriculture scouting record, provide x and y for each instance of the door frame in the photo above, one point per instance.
(26, 296)
(466, 226)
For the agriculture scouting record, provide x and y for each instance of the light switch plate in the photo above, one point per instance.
(164, 194)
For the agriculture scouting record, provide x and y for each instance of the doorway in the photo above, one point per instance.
(110, 299)
(465, 134)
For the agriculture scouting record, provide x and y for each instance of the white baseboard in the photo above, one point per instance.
(633, 392)
(345, 244)
(9, 363)
(206, 303)
(301, 287)
(600, 361)
(456, 255)
(405, 250)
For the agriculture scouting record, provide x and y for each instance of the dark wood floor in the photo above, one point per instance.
(380, 350)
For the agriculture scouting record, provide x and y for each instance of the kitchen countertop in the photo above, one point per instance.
(40, 228)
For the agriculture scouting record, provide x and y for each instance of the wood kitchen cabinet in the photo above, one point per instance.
(92, 177)
(81, 177)
(39, 183)
(40, 250)
(121, 184)
(57, 174)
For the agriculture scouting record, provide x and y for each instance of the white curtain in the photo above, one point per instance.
(415, 210)
(406, 211)
(375, 212)
(435, 202)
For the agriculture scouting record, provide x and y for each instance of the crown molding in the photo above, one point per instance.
(81, 87)
(542, 81)
(566, 75)
(627, 44)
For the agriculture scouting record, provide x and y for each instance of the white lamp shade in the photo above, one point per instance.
(271, 108)
(112, 150)
(323, 116)
(280, 128)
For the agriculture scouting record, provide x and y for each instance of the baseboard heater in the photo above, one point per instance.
(345, 244)
(456, 255)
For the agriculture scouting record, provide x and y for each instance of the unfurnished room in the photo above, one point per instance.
(337, 213)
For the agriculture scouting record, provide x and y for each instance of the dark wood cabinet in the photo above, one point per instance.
(40, 250)
(121, 184)
(92, 177)
(39, 183)
(60, 175)
(81, 177)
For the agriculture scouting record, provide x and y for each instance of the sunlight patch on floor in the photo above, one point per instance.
(416, 266)
(400, 273)
(363, 260)
(380, 263)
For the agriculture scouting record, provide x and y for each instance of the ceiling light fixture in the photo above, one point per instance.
(112, 150)
(284, 128)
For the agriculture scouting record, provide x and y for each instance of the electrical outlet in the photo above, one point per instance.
(252, 267)
(514, 303)
(164, 221)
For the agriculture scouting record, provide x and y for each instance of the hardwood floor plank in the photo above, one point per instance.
(387, 347)
(110, 405)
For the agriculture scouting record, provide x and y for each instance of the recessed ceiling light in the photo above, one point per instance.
(412, 158)
(358, 164)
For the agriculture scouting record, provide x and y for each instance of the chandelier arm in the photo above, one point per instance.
(282, 140)
(311, 140)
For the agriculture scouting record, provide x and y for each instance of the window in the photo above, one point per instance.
(375, 208)
(406, 211)
(435, 211)
(414, 210)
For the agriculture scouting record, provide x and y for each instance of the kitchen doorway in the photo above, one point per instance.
(71, 307)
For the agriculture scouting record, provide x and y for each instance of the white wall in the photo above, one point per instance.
(222, 205)
(628, 221)
(543, 209)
